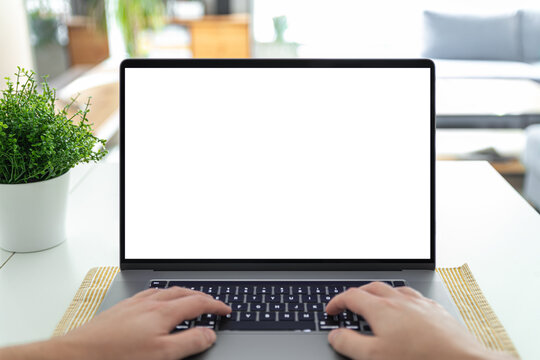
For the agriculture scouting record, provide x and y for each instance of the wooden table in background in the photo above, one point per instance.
(218, 36)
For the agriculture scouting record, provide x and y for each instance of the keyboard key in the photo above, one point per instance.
(282, 290)
(285, 316)
(220, 297)
(184, 325)
(291, 298)
(267, 316)
(232, 316)
(277, 307)
(335, 289)
(346, 315)
(399, 283)
(353, 325)
(273, 298)
(299, 290)
(228, 289)
(206, 324)
(305, 316)
(357, 284)
(247, 316)
(254, 298)
(210, 289)
(245, 290)
(325, 316)
(318, 290)
(269, 325)
(258, 307)
(239, 306)
(366, 328)
(326, 298)
(326, 325)
(296, 307)
(180, 327)
(264, 290)
(208, 317)
(236, 298)
(309, 298)
(314, 307)
(158, 284)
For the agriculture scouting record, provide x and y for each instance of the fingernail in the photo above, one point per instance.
(210, 335)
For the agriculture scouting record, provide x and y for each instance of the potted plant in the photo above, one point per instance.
(39, 144)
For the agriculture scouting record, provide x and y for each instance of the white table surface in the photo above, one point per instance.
(4, 256)
(481, 220)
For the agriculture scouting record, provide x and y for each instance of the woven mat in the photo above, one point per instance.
(473, 306)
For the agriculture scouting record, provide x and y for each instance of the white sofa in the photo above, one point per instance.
(531, 160)
(503, 47)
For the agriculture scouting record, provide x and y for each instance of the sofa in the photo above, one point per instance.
(531, 160)
(499, 53)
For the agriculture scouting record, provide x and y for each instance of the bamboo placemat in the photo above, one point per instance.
(469, 299)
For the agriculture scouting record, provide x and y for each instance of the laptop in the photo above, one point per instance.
(273, 185)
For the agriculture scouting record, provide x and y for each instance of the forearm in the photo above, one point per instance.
(53, 349)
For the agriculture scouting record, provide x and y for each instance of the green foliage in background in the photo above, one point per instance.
(37, 141)
(137, 15)
(44, 27)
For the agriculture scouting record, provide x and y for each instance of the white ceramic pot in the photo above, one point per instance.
(33, 216)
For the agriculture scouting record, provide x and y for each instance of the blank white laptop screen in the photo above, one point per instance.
(277, 163)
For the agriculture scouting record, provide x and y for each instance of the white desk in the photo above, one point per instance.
(481, 220)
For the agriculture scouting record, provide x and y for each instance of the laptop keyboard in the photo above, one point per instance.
(293, 306)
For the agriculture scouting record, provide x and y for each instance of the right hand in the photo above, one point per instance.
(406, 326)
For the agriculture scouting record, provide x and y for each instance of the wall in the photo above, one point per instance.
(15, 49)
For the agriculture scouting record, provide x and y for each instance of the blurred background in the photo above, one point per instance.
(487, 56)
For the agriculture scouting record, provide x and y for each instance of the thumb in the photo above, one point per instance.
(190, 342)
(351, 344)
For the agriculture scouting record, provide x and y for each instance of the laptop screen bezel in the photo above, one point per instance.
(277, 264)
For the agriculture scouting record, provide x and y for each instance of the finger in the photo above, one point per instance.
(409, 292)
(146, 293)
(191, 306)
(189, 342)
(351, 344)
(356, 300)
(175, 292)
(380, 289)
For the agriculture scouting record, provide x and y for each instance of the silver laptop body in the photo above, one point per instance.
(277, 170)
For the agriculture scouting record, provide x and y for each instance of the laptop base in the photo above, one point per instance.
(275, 344)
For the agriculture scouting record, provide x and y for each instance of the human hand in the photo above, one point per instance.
(406, 325)
(139, 327)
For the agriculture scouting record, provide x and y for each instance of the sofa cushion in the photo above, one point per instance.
(474, 37)
(485, 69)
(530, 33)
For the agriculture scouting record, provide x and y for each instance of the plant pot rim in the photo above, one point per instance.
(38, 182)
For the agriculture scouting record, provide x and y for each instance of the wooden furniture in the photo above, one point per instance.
(481, 220)
(218, 36)
(87, 45)
(464, 144)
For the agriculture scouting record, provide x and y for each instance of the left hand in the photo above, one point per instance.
(139, 327)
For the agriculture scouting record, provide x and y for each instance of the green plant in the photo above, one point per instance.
(38, 141)
(135, 16)
(44, 27)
